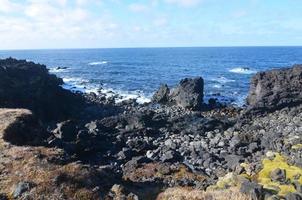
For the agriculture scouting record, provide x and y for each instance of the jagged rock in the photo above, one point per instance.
(189, 93)
(254, 190)
(28, 85)
(67, 130)
(276, 89)
(161, 95)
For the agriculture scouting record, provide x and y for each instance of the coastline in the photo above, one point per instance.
(176, 141)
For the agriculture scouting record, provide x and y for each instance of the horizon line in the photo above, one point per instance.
(149, 47)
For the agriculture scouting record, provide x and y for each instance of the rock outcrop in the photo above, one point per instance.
(188, 94)
(28, 85)
(162, 95)
(276, 89)
(19, 127)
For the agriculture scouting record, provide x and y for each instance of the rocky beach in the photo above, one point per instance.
(58, 144)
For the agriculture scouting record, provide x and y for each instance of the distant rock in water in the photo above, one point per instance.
(28, 85)
(276, 89)
(188, 94)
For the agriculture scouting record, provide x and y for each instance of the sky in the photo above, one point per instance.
(47, 24)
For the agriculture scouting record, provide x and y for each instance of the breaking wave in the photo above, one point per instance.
(242, 70)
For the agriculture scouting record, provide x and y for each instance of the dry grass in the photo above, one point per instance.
(162, 171)
(7, 116)
(36, 165)
(181, 193)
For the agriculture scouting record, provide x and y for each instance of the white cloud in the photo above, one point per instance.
(7, 6)
(184, 3)
(135, 7)
(82, 3)
(160, 22)
(54, 24)
(41, 11)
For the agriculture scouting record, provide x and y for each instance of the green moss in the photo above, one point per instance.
(279, 161)
(297, 147)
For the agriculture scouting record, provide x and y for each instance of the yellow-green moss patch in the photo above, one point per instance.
(297, 147)
(229, 180)
(280, 162)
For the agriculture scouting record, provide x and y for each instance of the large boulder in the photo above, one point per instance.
(28, 85)
(252, 189)
(276, 89)
(161, 95)
(188, 94)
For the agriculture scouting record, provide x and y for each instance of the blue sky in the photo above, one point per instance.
(26, 24)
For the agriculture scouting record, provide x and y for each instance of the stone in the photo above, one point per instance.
(170, 144)
(298, 186)
(141, 120)
(274, 197)
(124, 154)
(278, 175)
(132, 196)
(161, 95)
(276, 89)
(235, 141)
(293, 196)
(66, 130)
(169, 156)
(3, 197)
(253, 147)
(270, 155)
(254, 190)
(189, 93)
(21, 188)
(233, 161)
(150, 154)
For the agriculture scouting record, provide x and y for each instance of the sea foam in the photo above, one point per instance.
(57, 70)
(242, 70)
(98, 63)
(126, 95)
(83, 86)
(222, 79)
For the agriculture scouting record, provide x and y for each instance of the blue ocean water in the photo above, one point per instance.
(138, 72)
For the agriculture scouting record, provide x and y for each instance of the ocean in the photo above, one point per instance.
(138, 72)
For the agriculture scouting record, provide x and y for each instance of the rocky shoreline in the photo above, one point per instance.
(55, 144)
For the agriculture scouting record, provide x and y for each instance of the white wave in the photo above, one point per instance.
(242, 70)
(75, 80)
(81, 85)
(217, 86)
(57, 70)
(222, 79)
(126, 95)
(98, 63)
